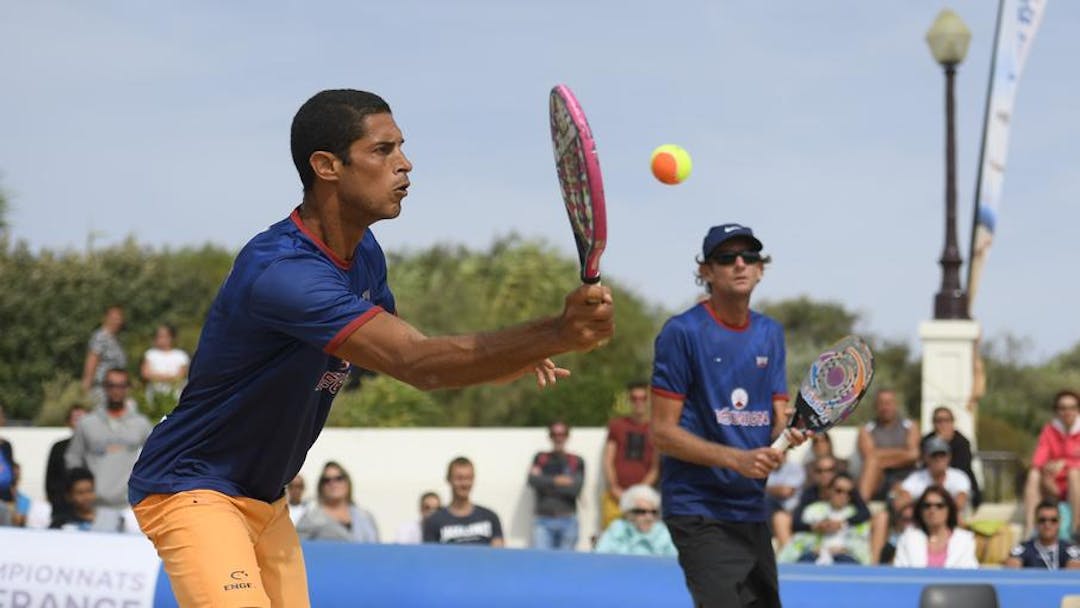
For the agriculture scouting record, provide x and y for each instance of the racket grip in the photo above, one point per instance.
(782, 442)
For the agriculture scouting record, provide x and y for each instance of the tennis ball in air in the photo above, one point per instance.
(671, 164)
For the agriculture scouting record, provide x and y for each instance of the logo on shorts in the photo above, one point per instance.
(739, 398)
(238, 575)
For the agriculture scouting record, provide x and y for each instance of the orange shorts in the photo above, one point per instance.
(225, 551)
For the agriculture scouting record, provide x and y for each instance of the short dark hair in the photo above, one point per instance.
(330, 122)
(169, 327)
(460, 461)
(950, 504)
(427, 495)
(1047, 504)
(117, 370)
(1065, 393)
(76, 475)
(636, 384)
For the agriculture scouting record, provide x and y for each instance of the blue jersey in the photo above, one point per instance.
(727, 378)
(262, 379)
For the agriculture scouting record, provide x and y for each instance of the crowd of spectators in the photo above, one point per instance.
(901, 499)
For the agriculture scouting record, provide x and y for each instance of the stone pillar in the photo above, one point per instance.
(948, 370)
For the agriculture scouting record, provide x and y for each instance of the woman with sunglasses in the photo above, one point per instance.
(335, 516)
(640, 531)
(935, 541)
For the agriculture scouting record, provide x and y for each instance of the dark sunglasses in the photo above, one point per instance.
(842, 490)
(824, 469)
(926, 506)
(937, 420)
(727, 258)
(115, 385)
(653, 512)
(330, 478)
(1048, 520)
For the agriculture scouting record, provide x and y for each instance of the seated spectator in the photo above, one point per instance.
(836, 533)
(1055, 465)
(821, 445)
(462, 522)
(82, 512)
(935, 541)
(945, 428)
(1046, 550)
(21, 503)
(412, 532)
(556, 476)
(335, 516)
(821, 475)
(294, 492)
(888, 447)
(164, 367)
(898, 522)
(936, 472)
(782, 490)
(640, 530)
(56, 469)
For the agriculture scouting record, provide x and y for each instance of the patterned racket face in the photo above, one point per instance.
(837, 380)
(579, 176)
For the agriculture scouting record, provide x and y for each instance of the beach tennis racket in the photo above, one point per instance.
(832, 388)
(578, 168)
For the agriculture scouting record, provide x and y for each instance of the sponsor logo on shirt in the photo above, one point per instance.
(332, 381)
(739, 398)
(458, 532)
(761, 361)
(736, 416)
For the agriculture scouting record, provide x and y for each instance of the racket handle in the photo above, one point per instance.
(782, 442)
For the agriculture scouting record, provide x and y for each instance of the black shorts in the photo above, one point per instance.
(727, 564)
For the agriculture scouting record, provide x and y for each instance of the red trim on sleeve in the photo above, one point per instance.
(668, 394)
(781, 397)
(347, 331)
(340, 263)
(716, 317)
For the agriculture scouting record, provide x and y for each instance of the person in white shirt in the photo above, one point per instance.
(936, 472)
(411, 532)
(935, 541)
(164, 367)
(297, 505)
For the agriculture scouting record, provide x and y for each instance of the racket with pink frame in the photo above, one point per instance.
(582, 186)
(836, 382)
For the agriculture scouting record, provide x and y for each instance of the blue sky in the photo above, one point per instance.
(818, 124)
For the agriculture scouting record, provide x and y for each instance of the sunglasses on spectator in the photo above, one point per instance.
(926, 506)
(824, 469)
(727, 258)
(639, 512)
(942, 419)
(1048, 520)
(115, 385)
(330, 478)
(842, 490)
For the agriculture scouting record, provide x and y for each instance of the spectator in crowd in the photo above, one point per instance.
(898, 522)
(629, 456)
(462, 522)
(56, 469)
(82, 512)
(888, 447)
(640, 530)
(164, 367)
(1046, 550)
(821, 445)
(1055, 465)
(20, 503)
(295, 493)
(7, 464)
(935, 541)
(107, 441)
(822, 472)
(936, 472)
(959, 446)
(103, 353)
(335, 516)
(782, 489)
(412, 532)
(838, 532)
(556, 476)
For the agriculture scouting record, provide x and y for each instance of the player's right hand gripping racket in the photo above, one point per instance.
(831, 391)
(579, 175)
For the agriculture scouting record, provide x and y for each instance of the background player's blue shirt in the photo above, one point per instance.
(727, 379)
(262, 381)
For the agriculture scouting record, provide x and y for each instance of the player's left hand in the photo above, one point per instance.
(546, 372)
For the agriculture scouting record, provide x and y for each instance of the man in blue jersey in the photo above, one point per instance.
(719, 398)
(307, 300)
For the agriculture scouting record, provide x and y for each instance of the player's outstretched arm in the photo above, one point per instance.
(389, 345)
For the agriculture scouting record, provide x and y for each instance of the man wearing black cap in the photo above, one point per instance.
(719, 398)
(936, 472)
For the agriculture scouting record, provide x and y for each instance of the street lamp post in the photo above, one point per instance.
(948, 38)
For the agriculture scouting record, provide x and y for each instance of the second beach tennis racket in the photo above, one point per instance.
(579, 177)
(832, 388)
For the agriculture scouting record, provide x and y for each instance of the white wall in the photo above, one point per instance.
(390, 468)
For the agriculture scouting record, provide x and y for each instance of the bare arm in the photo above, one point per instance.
(389, 345)
(781, 413)
(654, 470)
(609, 468)
(91, 364)
(673, 440)
(1014, 562)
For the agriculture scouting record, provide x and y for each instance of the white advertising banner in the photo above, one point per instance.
(58, 569)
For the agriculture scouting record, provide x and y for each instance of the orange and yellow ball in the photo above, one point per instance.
(671, 164)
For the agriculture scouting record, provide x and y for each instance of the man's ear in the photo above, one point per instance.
(325, 165)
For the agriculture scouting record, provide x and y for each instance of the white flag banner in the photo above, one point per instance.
(71, 568)
(1018, 23)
